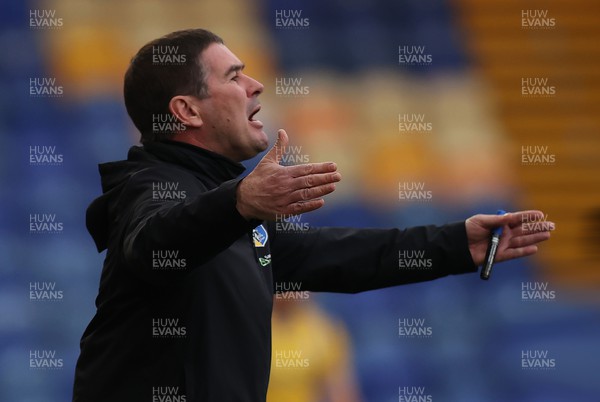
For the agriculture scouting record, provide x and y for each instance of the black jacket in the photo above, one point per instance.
(185, 298)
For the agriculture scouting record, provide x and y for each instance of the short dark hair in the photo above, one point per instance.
(161, 69)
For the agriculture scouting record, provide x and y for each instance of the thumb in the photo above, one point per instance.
(494, 221)
(278, 149)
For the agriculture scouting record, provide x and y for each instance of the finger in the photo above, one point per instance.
(311, 168)
(314, 180)
(527, 228)
(511, 253)
(275, 153)
(527, 240)
(306, 194)
(537, 227)
(517, 218)
(305, 206)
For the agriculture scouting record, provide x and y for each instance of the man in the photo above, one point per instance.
(185, 298)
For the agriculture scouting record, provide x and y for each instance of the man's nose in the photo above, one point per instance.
(255, 88)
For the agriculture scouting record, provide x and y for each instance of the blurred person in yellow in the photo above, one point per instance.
(311, 359)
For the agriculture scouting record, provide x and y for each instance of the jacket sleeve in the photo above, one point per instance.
(194, 229)
(355, 260)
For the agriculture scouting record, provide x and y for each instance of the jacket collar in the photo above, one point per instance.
(199, 160)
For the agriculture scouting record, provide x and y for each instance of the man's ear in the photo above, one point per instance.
(185, 110)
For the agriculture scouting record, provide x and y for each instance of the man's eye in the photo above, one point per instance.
(235, 78)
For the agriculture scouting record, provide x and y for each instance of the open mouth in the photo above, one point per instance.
(253, 122)
(255, 111)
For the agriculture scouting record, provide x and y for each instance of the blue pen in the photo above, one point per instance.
(491, 251)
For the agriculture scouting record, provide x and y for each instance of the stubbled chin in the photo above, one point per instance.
(258, 139)
(263, 142)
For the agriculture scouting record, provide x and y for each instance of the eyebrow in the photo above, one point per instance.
(234, 68)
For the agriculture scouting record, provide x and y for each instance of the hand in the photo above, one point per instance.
(520, 234)
(271, 189)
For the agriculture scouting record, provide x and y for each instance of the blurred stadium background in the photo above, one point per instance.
(347, 56)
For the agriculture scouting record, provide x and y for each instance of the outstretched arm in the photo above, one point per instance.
(351, 260)
(354, 260)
